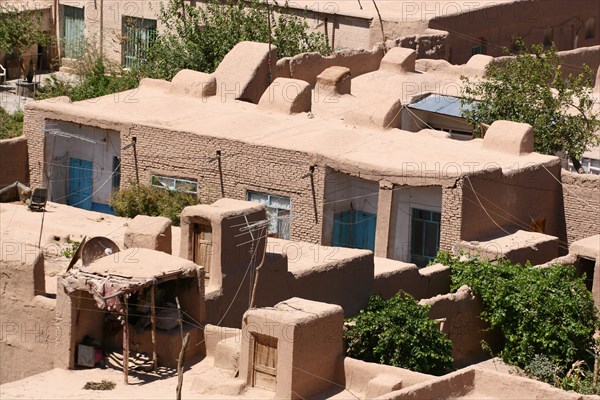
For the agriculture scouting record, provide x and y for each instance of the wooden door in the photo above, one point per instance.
(354, 229)
(264, 368)
(203, 247)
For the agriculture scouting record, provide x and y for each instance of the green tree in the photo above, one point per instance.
(399, 332)
(199, 37)
(531, 88)
(541, 312)
(20, 30)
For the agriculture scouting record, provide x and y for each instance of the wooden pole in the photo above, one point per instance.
(153, 319)
(180, 320)
(380, 23)
(126, 342)
(252, 298)
(181, 364)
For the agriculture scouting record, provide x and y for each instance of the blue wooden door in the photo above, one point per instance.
(80, 183)
(342, 229)
(364, 230)
(355, 229)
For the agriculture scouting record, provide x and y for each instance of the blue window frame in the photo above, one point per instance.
(425, 236)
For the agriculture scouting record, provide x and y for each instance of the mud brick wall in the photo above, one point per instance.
(581, 194)
(243, 167)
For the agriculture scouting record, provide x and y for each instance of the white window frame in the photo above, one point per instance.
(278, 226)
(160, 182)
(586, 164)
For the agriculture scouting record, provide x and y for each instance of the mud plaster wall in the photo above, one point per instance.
(462, 324)
(28, 331)
(573, 60)
(346, 282)
(499, 25)
(340, 31)
(13, 161)
(581, 194)
(307, 66)
(365, 377)
(421, 283)
(512, 201)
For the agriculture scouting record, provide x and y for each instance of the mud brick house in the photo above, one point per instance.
(343, 171)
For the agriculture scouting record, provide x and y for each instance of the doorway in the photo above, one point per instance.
(354, 229)
(264, 361)
(203, 247)
(80, 183)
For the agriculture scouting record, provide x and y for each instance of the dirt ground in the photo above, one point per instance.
(201, 381)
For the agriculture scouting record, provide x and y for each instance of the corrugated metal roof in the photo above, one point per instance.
(446, 105)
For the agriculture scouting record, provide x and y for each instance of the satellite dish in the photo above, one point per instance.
(77, 254)
(97, 247)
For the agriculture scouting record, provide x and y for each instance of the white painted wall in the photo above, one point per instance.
(343, 193)
(58, 151)
(405, 198)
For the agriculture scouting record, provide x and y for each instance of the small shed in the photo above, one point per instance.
(293, 348)
(133, 302)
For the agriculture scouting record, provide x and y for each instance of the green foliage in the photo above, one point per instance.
(531, 88)
(152, 201)
(193, 38)
(20, 29)
(399, 332)
(579, 378)
(545, 311)
(542, 368)
(199, 38)
(97, 81)
(71, 248)
(11, 125)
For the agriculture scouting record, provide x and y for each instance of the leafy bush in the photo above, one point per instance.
(199, 37)
(545, 312)
(11, 125)
(399, 332)
(195, 38)
(152, 201)
(98, 80)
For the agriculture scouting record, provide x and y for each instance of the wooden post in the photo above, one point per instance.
(126, 342)
(153, 319)
(180, 320)
(253, 297)
(181, 364)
